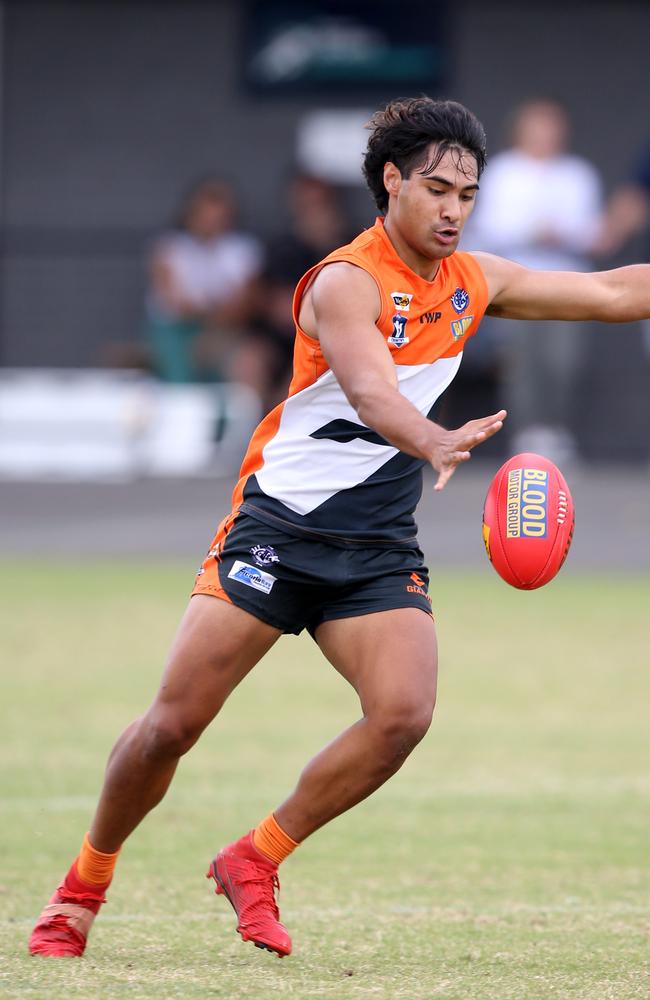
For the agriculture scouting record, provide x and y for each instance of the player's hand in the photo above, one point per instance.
(454, 447)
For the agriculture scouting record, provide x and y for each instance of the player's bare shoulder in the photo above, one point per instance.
(339, 291)
(498, 273)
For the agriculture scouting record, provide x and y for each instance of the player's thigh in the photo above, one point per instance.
(215, 646)
(389, 657)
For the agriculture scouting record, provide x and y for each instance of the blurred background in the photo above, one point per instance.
(168, 170)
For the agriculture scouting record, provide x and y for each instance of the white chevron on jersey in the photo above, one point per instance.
(303, 472)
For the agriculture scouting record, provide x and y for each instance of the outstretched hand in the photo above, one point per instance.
(455, 446)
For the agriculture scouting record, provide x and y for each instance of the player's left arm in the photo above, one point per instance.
(516, 292)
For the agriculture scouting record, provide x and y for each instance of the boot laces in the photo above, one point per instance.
(267, 886)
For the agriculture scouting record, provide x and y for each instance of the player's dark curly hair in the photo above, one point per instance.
(405, 129)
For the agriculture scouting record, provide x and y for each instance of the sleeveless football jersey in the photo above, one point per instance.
(311, 463)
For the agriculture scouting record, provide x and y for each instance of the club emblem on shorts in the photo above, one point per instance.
(264, 555)
(460, 300)
(461, 326)
(398, 336)
(252, 577)
(402, 300)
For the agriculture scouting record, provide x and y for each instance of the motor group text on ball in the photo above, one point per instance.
(526, 503)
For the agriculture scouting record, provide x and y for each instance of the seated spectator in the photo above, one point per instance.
(200, 291)
(317, 224)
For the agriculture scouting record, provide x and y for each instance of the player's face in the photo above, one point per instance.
(428, 210)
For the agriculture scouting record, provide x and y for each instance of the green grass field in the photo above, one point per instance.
(510, 858)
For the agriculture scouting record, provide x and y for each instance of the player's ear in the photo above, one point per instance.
(392, 178)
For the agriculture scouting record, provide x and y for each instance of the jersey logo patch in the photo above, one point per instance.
(402, 300)
(460, 300)
(461, 326)
(398, 336)
(264, 555)
(252, 577)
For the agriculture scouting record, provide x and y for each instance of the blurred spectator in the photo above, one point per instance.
(628, 211)
(539, 205)
(200, 294)
(316, 225)
(627, 215)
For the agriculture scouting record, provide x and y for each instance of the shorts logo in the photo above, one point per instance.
(461, 326)
(460, 300)
(402, 300)
(418, 586)
(264, 555)
(398, 336)
(251, 577)
(526, 504)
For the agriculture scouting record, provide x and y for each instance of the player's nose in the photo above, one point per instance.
(451, 209)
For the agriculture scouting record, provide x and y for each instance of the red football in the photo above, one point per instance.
(528, 521)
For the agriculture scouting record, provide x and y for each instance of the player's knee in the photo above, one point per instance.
(166, 736)
(402, 726)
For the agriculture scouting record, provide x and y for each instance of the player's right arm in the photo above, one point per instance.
(340, 310)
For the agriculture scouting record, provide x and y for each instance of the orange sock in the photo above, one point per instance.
(271, 840)
(94, 867)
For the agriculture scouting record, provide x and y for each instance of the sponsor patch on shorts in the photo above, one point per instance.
(252, 577)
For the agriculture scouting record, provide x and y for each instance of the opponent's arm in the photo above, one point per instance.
(516, 292)
(345, 304)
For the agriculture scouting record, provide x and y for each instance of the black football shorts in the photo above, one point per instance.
(294, 582)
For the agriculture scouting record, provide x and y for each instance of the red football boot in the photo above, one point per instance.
(248, 880)
(63, 927)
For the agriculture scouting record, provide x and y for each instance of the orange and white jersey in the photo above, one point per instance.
(311, 463)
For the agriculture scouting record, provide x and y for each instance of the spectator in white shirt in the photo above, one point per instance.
(539, 205)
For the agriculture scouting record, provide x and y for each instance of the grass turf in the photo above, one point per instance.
(508, 859)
